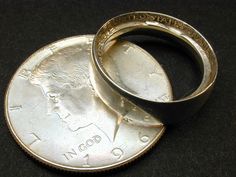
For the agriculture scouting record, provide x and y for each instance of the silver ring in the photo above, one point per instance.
(166, 111)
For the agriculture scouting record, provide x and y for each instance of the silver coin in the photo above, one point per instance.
(56, 116)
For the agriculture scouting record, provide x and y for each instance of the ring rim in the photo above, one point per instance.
(211, 54)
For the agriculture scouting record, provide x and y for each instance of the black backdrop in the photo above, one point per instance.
(202, 146)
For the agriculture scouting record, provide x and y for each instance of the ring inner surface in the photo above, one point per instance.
(171, 28)
(183, 68)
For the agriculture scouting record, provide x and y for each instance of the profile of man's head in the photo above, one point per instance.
(64, 80)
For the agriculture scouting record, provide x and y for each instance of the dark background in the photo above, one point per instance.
(204, 146)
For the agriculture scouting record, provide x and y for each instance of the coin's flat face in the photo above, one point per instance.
(55, 115)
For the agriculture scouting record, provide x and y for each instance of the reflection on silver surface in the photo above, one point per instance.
(137, 71)
(57, 117)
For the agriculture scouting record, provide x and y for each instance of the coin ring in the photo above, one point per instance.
(168, 112)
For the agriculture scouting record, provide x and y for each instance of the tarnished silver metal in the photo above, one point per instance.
(55, 114)
(144, 22)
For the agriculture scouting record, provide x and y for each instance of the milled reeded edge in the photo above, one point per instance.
(55, 165)
(108, 34)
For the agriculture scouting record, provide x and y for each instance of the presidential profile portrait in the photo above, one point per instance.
(63, 79)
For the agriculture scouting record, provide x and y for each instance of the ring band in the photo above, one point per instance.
(125, 109)
(170, 111)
